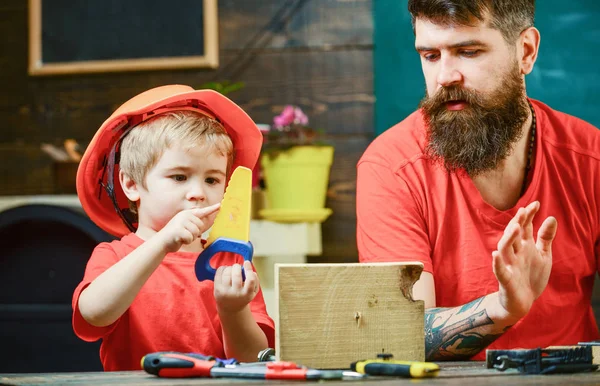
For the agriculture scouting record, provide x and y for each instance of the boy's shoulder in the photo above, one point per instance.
(119, 248)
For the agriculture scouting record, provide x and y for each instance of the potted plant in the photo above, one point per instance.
(296, 162)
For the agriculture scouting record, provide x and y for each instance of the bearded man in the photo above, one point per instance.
(474, 184)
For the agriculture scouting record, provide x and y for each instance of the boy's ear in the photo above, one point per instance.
(129, 186)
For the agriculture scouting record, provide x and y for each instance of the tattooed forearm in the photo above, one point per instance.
(473, 305)
(458, 333)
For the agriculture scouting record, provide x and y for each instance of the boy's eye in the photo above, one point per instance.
(179, 177)
(211, 181)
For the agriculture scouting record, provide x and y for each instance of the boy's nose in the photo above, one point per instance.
(196, 193)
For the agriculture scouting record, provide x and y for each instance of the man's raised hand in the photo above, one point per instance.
(522, 264)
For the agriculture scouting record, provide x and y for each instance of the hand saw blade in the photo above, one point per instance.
(233, 219)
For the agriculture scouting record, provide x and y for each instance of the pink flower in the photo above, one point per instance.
(299, 117)
(286, 117)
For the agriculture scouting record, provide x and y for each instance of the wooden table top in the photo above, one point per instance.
(452, 373)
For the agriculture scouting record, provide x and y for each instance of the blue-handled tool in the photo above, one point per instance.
(204, 271)
(231, 230)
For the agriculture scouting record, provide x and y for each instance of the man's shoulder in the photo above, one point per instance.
(400, 144)
(567, 132)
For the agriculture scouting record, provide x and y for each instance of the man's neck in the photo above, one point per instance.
(502, 186)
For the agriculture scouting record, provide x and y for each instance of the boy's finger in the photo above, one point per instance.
(226, 278)
(236, 276)
(248, 266)
(251, 283)
(203, 212)
(219, 275)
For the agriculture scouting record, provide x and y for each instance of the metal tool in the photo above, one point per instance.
(179, 365)
(542, 361)
(267, 355)
(385, 365)
(231, 229)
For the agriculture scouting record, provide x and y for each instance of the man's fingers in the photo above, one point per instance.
(508, 242)
(203, 212)
(517, 219)
(527, 224)
(546, 234)
(499, 267)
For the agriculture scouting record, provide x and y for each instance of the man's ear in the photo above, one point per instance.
(129, 186)
(527, 50)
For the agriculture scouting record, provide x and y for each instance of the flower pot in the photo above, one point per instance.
(296, 181)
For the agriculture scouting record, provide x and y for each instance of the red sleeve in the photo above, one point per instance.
(598, 254)
(390, 222)
(257, 305)
(259, 311)
(102, 258)
(264, 321)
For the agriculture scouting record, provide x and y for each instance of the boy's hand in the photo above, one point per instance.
(232, 294)
(186, 226)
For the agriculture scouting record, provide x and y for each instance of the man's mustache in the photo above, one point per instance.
(452, 93)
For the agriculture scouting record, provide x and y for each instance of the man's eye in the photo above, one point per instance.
(469, 53)
(431, 57)
(179, 177)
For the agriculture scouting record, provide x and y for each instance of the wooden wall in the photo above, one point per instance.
(316, 54)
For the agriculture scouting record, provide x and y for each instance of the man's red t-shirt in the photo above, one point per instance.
(409, 208)
(172, 312)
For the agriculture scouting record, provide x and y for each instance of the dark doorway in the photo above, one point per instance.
(45, 250)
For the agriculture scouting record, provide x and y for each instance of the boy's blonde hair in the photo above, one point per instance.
(143, 146)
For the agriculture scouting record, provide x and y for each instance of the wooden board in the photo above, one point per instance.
(329, 315)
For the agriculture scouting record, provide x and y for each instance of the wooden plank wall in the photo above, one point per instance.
(317, 54)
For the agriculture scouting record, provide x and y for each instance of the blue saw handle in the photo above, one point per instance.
(222, 244)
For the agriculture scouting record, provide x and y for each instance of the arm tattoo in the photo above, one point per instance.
(459, 340)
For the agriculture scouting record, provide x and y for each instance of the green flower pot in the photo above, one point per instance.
(296, 180)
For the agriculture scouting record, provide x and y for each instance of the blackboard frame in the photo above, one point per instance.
(210, 59)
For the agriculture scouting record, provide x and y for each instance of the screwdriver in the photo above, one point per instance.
(384, 365)
(184, 365)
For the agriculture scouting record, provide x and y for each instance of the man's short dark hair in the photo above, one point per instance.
(510, 17)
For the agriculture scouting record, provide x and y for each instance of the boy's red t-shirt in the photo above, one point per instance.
(411, 209)
(172, 312)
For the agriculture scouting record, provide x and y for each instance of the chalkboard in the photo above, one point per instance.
(566, 75)
(68, 36)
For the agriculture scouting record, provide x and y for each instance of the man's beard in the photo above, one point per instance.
(481, 135)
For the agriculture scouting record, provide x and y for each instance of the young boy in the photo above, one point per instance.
(172, 150)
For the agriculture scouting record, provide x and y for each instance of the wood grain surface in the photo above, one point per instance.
(332, 314)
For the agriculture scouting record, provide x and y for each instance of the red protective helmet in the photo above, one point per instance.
(102, 198)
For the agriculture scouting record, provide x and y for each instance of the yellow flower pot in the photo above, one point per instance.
(296, 181)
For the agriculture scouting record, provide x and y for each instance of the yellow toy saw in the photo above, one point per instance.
(231, 229)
